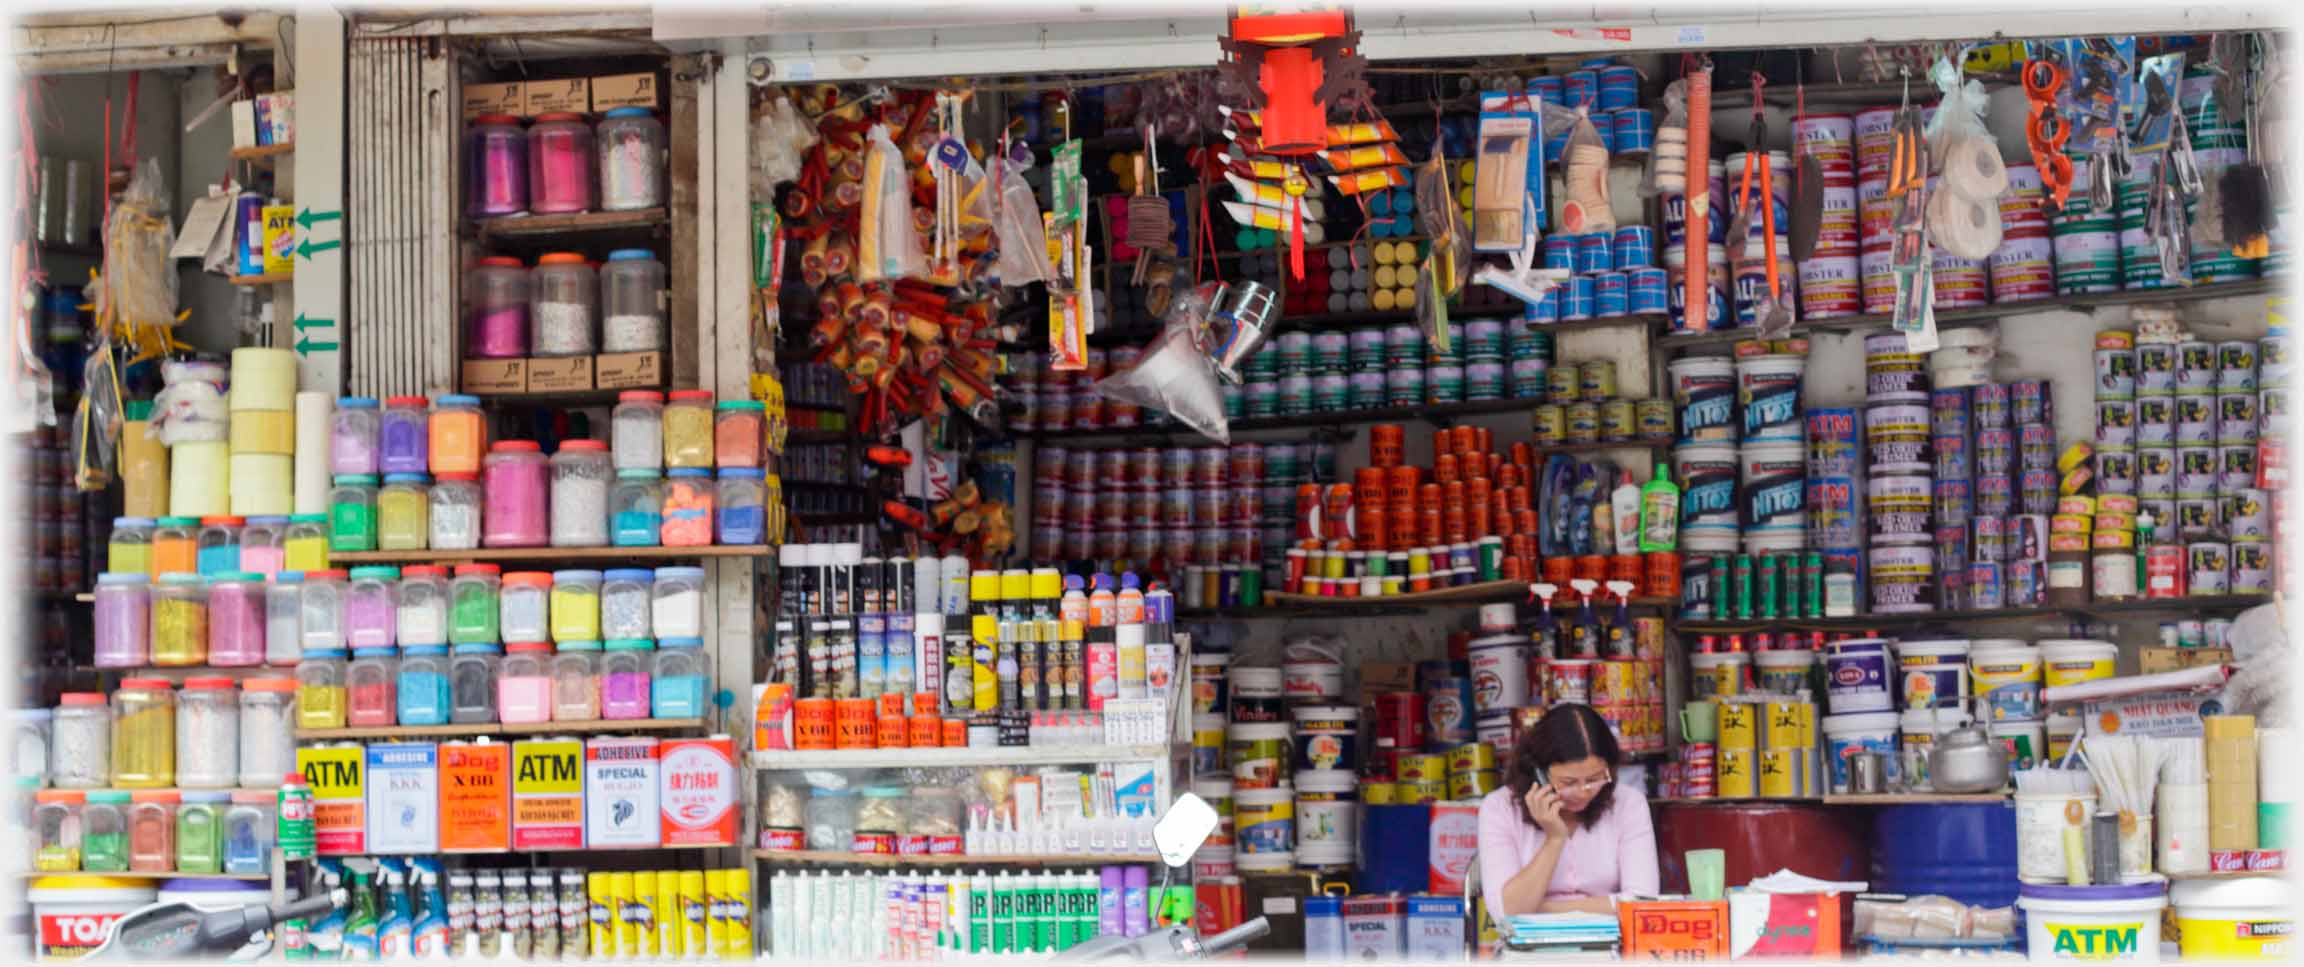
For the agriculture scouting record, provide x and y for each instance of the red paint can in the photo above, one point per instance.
(1400, 719)
(2164, 571)
(1626, 568)
(1663, 574)
(1557, 571)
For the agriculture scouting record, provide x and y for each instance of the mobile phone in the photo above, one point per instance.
(1543, 778)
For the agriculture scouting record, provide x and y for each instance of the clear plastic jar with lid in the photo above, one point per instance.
(402, 435)
(636, 508)
(129, 549)
(403, 513)
(688, 429)
(264, 544)
(496, 326)
(175, 546)
(636, 430)
(371, 607)
(458, 431)
(104, 831)
(320, 689)
(524, 683)
(677, 602)
(423, 695)
(495, 166)
(576, 605)
(524, 606)
(144, 734)
(580, 475)
(352, 436)
(56, 821)
(454, 504)
(631, 144)
(83, 756)
(632, 302)
(575, 682)
(739, 427)
(268, 716)
(624, 602)
(368, 684)
(152, 830)
(422, 613)
(122, 620)
(741, 506)
(236, 619)
(472, 607)
(624, 666)
(832, 820)
(249, 832)
(680, 679)
(320, 609)
(688, 497)
(472, 683)
(932, 823)
(352, 513)
(200, 831)
(560, 176)
(31, 732)
(180, 620)
(514, 485)
(217, 547)
(880, 819)
(307, 544)
(284, 619)
(208, 734)
(564, 311)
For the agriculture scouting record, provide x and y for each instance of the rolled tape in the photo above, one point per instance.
(1972, 167)
(311, 461)
(1964, 225)
(199, 475)
(262, 483)
(270, 432)
(263, 379)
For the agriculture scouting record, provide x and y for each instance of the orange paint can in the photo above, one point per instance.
(812, 724)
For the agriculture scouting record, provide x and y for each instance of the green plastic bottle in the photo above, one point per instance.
(1659, 512)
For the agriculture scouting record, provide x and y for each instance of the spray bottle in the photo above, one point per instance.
(1072, 635)
(360, 925)
(1128, 638)
(1624, 504)
(1103, 643)
(1616, 640)
(324, 938)
(430, 930)
(1584, 635)
(1547, 627)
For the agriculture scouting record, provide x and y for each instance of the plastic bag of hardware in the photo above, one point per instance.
(1175, 375)
(1017, 231)
(888, 244)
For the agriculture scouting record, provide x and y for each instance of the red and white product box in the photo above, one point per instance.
(697, 791)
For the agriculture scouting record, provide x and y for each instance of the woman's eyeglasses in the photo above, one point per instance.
(1581, 785)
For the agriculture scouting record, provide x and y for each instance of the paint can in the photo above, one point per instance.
(1832, 442)
(1896, 507)
(1903, 579)
(1634, 129)
(1768, 395)
(1772, 493)
(1892, 372)
(1896, 437)
(2209, 567)
(1646, 292)
(2237, 418)
(1829, 288)
(1635, 247)
(1959, 283)
(1704, 390)
(1708, 513)
(1499, 672)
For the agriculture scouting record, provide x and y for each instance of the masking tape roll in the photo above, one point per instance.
(264, 431)
(198, 479)
(263, 379)
(1972, 167)
(1963, 225)
(311, 461)
(262, 483)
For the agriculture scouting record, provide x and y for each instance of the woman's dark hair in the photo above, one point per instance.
(1567, 733)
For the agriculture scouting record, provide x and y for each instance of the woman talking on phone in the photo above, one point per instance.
(1561, 836)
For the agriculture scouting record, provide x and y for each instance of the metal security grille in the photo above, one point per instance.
(401, 169)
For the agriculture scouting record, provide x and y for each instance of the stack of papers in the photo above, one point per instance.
(1561, 929)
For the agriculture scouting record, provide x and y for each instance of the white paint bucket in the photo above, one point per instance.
(1499, 673)
(1846, 736)
(1768, 394)
(1857, 677)
(1704, 392)
(1264, 829)
(1772, 491)
(1327, 817)
(1707, 475)
(2040, 823)
(2118, 923)
(2252, 918)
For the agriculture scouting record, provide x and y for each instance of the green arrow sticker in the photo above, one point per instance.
(303, 323)
(305, 248)
(308, 218)
(306, 347)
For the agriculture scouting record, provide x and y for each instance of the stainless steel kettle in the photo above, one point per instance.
(1967, 760)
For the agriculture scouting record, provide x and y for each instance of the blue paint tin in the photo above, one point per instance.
(1595, 253)
(1582, 88)
(1645, 291)
(1619, 87)
(1560, 252)
(1546, 309)
(1605, 131)
(1609, 294)
(1635, 247)
(1578, 304)
(1548, 89)
(1634, 129)
(1995, 494)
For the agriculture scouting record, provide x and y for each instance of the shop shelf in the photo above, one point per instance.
(1021, 755)
(1982, 315)
(581, 397)
(536, 226)
(1749, 801)
(2225, 874)
(500, 728)
(179, 674)
(559, 556)
(72, 251)
(1286, 605)
(264, 154)
(833, 858)
(805, 436)
(1601, 446)
(1912, 798)
(2222, 602)
(268, 278)
(141, 875)
(1434, 413)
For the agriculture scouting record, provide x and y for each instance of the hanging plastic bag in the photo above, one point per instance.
(96, 421)
(780, 139)
(1018, 233)
(1585, 207)
(138, 287)
(1175, 376)
(888, 246)
(1667, 169)
(1963, 211)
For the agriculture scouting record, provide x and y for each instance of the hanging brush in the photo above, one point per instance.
(2244, 191)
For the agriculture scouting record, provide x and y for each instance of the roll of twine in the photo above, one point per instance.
(1964, 225)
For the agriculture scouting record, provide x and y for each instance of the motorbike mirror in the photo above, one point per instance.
(1186, 825)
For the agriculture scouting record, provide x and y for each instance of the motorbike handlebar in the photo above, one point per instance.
(1236, 937)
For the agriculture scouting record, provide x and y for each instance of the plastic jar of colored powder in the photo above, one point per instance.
(688, 499)
(623, 677)
(514, 488)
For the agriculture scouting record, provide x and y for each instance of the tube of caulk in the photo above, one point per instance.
(1110, 916)
(1136, 901)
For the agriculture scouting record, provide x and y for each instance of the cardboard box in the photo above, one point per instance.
(338, 776)
(1435, 928)
(2152, 661)
(571, 95)
(1375, 928)
(1674, 929)
(559, 374)
(475, 796)
(628, 370)
(279, 239)
(482, 99)
(1784, 926)
(624, 90)
(489, 376)
(1387, 676)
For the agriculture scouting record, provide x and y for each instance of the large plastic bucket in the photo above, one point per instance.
(71, 914)
(1264, 829)
(1771, 498)
(1857, 676)
(2251, 918)
(2006, 676)
(2101, 924)
(1783, 670)
(1768, 393)
(2070, 661)
(1966, 851)
(1933, 672)
(1704, 391)
(1327, 817)
(1849, 735)
(1707, 475)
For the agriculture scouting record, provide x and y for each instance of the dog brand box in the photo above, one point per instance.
(404, 797)
(338, 777)
(548, 794)
(1673, 929)
(621, 775)
(475, 797)
(697, 793)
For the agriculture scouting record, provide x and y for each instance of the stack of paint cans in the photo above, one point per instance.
(1716, 312)
(1610, 93)
(1772, 458)
(1829, 287)
(1399, 528)
(1835, 520)
(1615, 275)
(2087, 242)
(1750, 281)
(1899, 487)
(1952, 448)
(1581, 406)
(2219, 141)
(1505, 670)
(1259, 754)
(2221, 409)
(1704, 462)
(1876, 215)
(2023, 268)
(1185, 506)
(1957, 283)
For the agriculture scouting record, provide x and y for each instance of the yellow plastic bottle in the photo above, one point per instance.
(695, 909)
(736, 943)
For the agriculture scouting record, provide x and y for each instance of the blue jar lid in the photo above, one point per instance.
(405, 478)
(356, 403)
(682, 642)
(455, 399)
(638, 473)
(336, 654)
(629, 574)
(742, 473)
(182, 579)
(119, 522)
(307, 518)
(385, 571)
(118, 578)
(696, 573)
(269, 519)
(630, 112)
(250, 577)
(576, 575)
(629, 254)
(577, 645)
(371, 652)
(478, 648)
(688, 472)
(630, 644)
(355, 480)
(190, 796)
(288, 577)
(408, 651)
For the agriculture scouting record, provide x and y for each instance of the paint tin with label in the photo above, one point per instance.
(2196, 367)
(1610, 294)
(1646, 291)
(1896, 437)
(2197, 470)
(2195, 420)
(1903, 579)
(2251, 568)
(1990, 405)
(1892, 372)
(2209, 567)
(1995, 494)
(2236, 418)
(2115, 374)
(1897, 508)
(2155, 368)
(1995, 451)
(2029, 402)
(2116, 472)
(2155, 421)
(2236, 468)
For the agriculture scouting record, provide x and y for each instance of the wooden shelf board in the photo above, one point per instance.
(532, 226)
(2224, 602)
(571, 556)
(832, 858)
(1986, 315)
(501, 728)
(269, 278)
(264, 154)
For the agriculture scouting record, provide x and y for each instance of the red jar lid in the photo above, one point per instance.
(498, 119)
(463, 569)
(590, 445)
(208, 684)
(502, 261)
(517, 446)
(424, 571)
(688, 395)
(224, 519)
(521, 647)
(406, 401)
(326, 573)
(640, 396)
(269, 685)
(456, 476)
(559, 116)
(561, 258)
(81, 698)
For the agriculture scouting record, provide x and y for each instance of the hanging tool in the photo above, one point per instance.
(1807, 177)
(1696, 316)
(2046, 132)
(1908, 188)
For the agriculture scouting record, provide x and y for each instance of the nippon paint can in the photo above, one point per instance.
(1903, 579)
(1896, 437)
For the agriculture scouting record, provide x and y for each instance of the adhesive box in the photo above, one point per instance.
(338, 776)
(1435, 927)
(475, 797)
(548, 794)
(621, 776)
(404, 797)
(697, 791)
(1455, 845)
(1374, 928)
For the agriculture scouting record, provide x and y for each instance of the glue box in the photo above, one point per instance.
(620, 792)
(1673, 929)
(1455, 834)
(1435, 928)
(1779, 926)
(697, 791)
(1375, 927)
